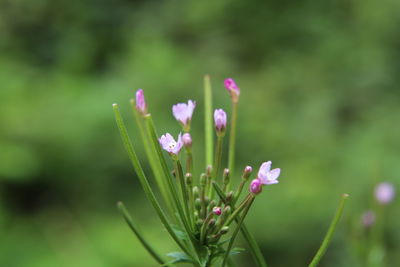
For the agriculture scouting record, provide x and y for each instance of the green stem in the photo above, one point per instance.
(144, 182)
(184, 195)
(208, 124)
(232, 240)
(155, 165)
(189, 160)
(232, 139)
(203, 230)
(217, 163)
(328, 237)
(254, 248)
(139, 236)
(238, 210)
(170, 181)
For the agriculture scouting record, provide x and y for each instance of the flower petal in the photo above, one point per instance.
(273, 174)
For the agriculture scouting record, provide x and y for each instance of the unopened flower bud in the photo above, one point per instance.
(226, 176)
(189, 179)
(209, 170)
(229, 197)
(220, 121)
(255, 186)
(187, 140)
(224, 230)
(247, 172)
(227, 210)
(206, 200)
(233, 89)
(196, 192)
(211, 223)
(141, 105)
(217, 211)
(203, 179)
(197, 204)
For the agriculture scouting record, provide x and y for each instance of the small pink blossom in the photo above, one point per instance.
(220, 120)
(217, 211)
(141, 105)
(384, 192)
(368, 218)
(187, 139)
(169, 144)
(268, 176)
(233, 89)
(183, 112)
(256, 186)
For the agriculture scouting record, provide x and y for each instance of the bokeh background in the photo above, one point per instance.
(320, 98)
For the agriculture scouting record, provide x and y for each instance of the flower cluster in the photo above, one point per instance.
(203, 212)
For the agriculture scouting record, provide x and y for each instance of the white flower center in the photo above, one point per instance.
(172, 144)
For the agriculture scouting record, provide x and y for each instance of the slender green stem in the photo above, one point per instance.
(144, 182)
(254, 248)
(189, 160)
(217, 163)
(184, 195)
(232, 240)
(218, 157)
(208, 125)
(170, 181)
(238, 210)
(328, 237)
(239, 191)
(232, 139)
(155, 165)
(139, 236)
(203, 230)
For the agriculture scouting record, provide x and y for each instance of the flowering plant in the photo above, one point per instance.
(203, 218)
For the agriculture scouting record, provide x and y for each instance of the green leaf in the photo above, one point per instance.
(179, 257)
(236, 251)
(182, 235)
(204, 254)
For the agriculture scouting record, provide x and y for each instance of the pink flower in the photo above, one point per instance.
(217, 211)
(268, 176)
(233, 89)
(141, 105)
(169, 144)
(220, 120)
(183, 112)
(256, 186)
(384, 192)
(368, 218)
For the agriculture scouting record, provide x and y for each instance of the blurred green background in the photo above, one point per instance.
(319, 97)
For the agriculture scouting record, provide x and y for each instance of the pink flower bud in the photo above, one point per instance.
(255, 186)
(233, 89)
(141, 105)
(187, 140)
(384, 192)
(220, 120)
(247, 172)
(217, 211)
